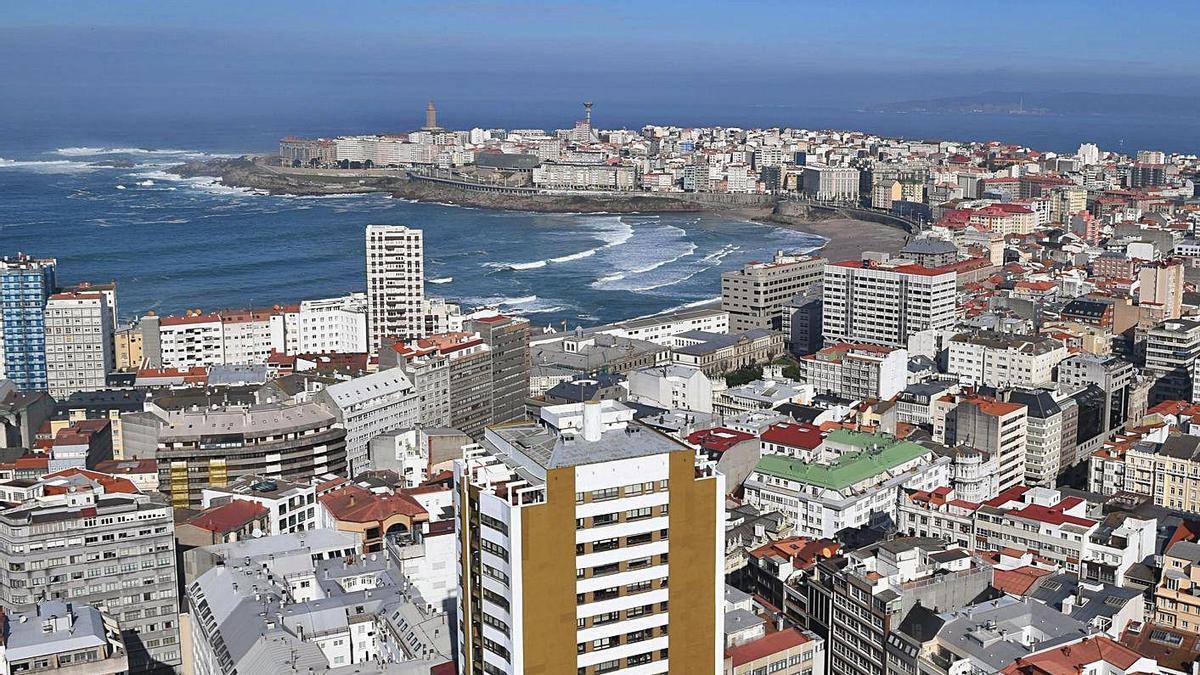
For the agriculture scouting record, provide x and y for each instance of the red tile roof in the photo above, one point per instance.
(110, 484)
(1018, 581)
(1074, 658)
(230, 516)
(769, 644)
(355, 504)
(794, 435)
(718, 439)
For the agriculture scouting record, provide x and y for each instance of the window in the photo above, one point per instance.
(605, 494)
(638, 514)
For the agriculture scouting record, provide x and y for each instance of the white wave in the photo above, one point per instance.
(525, 300)
(611, 277)
(145, 183)
(650, 268)
(575, 256)
(90, 151)
(46, 166)
(120, 187)
(721, 253)
(442, 280)
(544, 310)
(208, 184)
(611, 236)
(672, 282)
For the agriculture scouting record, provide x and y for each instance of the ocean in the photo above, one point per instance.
(174, 243)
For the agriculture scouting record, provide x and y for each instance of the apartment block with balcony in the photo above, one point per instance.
(642, 576)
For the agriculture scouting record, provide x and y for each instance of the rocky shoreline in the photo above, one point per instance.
(244, 172)
(846, 238)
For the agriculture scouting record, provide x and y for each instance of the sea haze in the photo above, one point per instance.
(174, 243)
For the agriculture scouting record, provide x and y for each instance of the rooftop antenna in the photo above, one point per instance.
(587, 113)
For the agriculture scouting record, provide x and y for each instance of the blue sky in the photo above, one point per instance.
(75, 59)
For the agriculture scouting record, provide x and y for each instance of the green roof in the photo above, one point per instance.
(851, 467)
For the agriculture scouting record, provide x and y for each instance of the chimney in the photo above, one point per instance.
(592, 421)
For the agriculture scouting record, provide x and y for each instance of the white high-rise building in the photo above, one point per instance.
(1089, 154)
(332, 325)
(885, 302)
(395, 283)
(79, 342)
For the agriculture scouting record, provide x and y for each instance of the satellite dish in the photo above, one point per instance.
(256, 533)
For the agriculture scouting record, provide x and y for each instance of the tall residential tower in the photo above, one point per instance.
(25, 285)
(639, 586)
(395, 283)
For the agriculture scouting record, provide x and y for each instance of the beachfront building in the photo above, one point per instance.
(395, 283)
(885, 303)
(756, 295)
(25, 285)
(831, 183)
(79, 342)
(647, 551)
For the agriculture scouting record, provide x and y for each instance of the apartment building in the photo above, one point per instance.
(1167, 471)
(857, 371)
(291, 604)
(95, 539)
(643, 575)
(850, 479)
(291, 506)
(79, 342)
(571, 176)
(860, 600)
(1111, 374)
(368, 406)
(1005, 218)
(1177, 595)
(194, 339)
(757, 295)
(1171, 351)
(1160, 289)
(508, 340)
(996, 359)
(329, 325)
(69, 638)
(1064, 531)
(996, 427)
(673, 387)
(202, 448)
(884, 302)
(831, 183)
(1047, 430)
(25, 285)
(395, 283)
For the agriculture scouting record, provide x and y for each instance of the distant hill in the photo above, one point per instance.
(1065, 103)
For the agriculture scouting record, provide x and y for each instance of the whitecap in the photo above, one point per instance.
(145, 183)
(47, 166)
(120, 187)
(442, 280)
